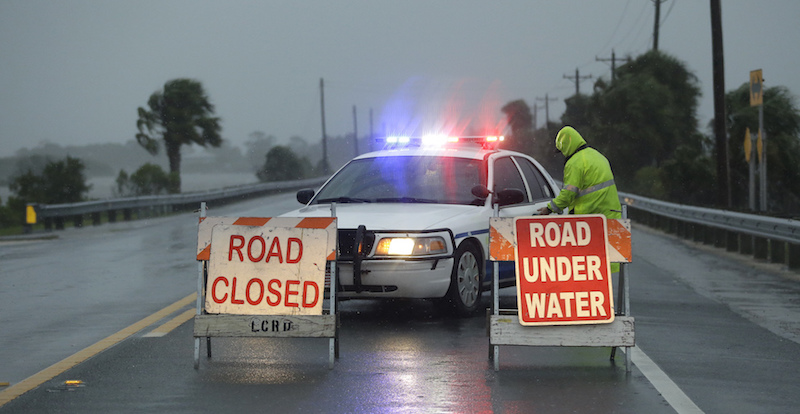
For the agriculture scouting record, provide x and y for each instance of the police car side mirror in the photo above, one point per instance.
(480, 191)
(305, 195)
(508, 196)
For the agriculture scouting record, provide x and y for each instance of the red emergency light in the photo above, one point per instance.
(389, 142)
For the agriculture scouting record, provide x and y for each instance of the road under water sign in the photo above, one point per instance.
(563, 272)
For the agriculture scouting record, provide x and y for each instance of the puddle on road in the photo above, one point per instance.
(69, 385)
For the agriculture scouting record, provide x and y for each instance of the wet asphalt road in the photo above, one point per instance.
(725, 331)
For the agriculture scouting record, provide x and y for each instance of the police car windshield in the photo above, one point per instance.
(405, 179)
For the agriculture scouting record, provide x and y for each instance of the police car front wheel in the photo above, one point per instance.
(464, 295)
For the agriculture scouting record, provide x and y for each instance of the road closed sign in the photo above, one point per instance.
(563, 272)
(263, 270)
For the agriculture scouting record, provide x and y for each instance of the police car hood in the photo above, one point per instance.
(387, 216)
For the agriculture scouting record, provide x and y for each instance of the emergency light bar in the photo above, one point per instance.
(438, 141)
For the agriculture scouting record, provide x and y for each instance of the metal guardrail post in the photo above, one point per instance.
(794, 256)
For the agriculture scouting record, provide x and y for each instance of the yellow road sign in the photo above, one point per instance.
(756, 88)
(30, 215)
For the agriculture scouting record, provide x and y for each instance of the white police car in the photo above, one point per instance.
(413, 218)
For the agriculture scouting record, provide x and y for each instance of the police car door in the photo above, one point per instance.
(507, 175)
(540, 189)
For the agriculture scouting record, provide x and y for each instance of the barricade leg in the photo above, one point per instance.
(623, 301)
(198, 311)
(333, 343)
(627, 359)
(495, 355)
(196, 353)
(620, 304)
(199, 302)
(331, 352)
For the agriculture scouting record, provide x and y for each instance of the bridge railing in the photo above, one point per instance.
(55, 215)
(767, 238)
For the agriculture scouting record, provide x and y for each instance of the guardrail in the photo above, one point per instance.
(55, 215)
(768, 238)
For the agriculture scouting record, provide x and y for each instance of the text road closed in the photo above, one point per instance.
(563, 274)
(266, 270)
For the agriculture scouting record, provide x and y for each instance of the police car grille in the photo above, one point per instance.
(347, 238)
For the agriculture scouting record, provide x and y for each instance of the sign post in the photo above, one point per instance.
(564, 286)
(757, 99)
(266, 277)
(749, 147)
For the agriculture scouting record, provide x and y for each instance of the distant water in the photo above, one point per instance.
(103, 187)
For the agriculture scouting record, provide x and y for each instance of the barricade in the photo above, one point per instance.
(587, 325)
(279, 265)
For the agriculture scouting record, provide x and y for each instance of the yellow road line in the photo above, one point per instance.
(48, 373)
(171, 324)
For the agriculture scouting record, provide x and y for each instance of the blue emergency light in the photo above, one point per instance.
(393, 142)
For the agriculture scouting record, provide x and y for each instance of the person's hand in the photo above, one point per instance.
(544, 211)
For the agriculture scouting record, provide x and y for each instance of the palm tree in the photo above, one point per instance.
(180, 115)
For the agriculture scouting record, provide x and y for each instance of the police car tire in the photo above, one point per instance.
(464, 295)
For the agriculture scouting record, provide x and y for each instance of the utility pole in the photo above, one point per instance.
(547, 100)
(655, 25)
(536, 115)
(613, 61)
(720, 134)
(757, 99)
(371, 131)
(577, 78)
(355, 131)
(536, 108)
(325, 168)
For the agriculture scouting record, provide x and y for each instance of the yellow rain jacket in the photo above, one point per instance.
(589, 186)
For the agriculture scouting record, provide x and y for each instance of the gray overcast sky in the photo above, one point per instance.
(74, 72)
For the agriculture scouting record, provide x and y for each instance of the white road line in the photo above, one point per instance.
(664, 385)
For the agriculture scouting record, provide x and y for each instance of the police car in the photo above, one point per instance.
(413, 218)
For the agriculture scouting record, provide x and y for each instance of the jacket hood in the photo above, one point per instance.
(568, 141)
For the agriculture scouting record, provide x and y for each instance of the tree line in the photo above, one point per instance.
(645, 122)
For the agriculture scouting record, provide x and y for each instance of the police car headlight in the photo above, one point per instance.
(411, 246)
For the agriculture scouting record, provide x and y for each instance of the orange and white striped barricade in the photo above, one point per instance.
(564, 286)
(265, 277)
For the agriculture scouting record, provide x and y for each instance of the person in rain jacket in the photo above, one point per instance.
(588, 181)
(589, 186)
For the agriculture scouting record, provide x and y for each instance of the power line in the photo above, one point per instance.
(640, 23)
(617, 26)
(668, 12)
